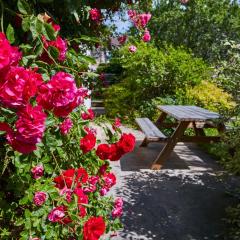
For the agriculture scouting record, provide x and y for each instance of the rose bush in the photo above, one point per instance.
(55, 172)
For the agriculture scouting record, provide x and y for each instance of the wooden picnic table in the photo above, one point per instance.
(185, 117)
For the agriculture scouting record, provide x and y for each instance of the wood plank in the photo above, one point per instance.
(188, 113)
(150, 130)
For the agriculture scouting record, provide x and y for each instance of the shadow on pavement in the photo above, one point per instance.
(173, 205)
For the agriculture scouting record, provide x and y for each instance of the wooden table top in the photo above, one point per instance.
(189, 113)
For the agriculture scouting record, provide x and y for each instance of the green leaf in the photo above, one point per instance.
(10, 34)
(49, 32)
(26, 24)
(89, 39)
(23, 7)
(53, 51)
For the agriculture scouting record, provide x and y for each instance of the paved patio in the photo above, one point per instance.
(186, 200)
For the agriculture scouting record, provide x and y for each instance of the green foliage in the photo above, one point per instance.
(149, 73)
(200, 25)
(207, 95)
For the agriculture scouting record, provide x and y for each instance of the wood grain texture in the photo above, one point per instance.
(189, 113)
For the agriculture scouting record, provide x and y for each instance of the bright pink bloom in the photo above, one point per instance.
(61, 94)
(132, 49)
(9, 55)
(132, 13)
(103, 191)
(37, 171)
(95, 14)
(57, 214)
(93, 180)
(141, 20)
(65, 126)
(67, 193)
(118, 202)
(39, 198)
(117, 211)
(31, 124)
(146, 37)
(19, 87)
(89, 115)
(88, 142)
(109, 179)
(117, 124)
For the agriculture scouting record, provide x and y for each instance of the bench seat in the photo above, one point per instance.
(151, 132)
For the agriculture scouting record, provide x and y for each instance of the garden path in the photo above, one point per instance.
(186, 200)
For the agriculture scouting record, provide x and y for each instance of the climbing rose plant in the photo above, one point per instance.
(55, 170)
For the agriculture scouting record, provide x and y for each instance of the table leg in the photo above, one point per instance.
(144, 142)
(171, 143)
(198, 131)
(161, 119)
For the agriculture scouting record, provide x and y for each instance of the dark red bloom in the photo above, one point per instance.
(88, 142)
(79, 175)
(94, 228)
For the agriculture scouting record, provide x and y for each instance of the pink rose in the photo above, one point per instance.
(132, 49)
(57, 214)
(67, 192)
(65, 126)
(103, 191)
(109, 179)
(37, 171)
(118, 202)
(59, 44)
(146, 37)
(19, 87)
(61, 94)
(117, 212)
(31, 124)
(117, 124)
(39, 198)
(95, 14)
(9, 56)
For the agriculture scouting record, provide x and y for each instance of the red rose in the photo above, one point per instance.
(89, 115)
(104, 151)
(82, 199)
(20, 85)
(126, 142)
(60, 94)
(94, 228)
(80, 175)
(117, 152)
(88, 142)
(59, 215)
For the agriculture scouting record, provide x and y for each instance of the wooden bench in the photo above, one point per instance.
(185, 117)
(152, 133)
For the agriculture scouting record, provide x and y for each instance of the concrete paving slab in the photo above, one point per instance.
(186, 200)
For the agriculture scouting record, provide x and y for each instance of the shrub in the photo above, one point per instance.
(207, 95)
(149, 73)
